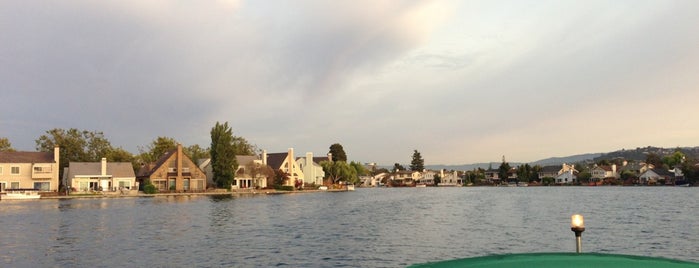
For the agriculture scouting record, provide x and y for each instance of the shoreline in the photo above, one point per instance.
(140, 194)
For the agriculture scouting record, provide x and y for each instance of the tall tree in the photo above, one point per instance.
(223, 162)
(243, 147)
(338, 153)
(5, 145)
(503, 170)
(359, 168)
(417, 163)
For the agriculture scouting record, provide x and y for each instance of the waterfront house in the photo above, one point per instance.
(173, 171)
(312, 170)
(599, 173)
(100, 176)
(30, 170)
(567, 177)
(492, 175)
(285, 162)
(655, 175)
(251, 173)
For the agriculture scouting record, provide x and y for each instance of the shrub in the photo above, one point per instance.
(149, 189)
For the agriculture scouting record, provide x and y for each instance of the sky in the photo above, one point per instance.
(459, 81)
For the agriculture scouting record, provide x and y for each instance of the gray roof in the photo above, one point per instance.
(115, 169)
(244, 160)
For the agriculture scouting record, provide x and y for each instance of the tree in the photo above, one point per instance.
(675, 159)
(417, 163)
(75, 145)
(279, 179)
(654, 160)
(157, 148)
(243, 147)
(338, 153)
(397, 167)
(524, 173)
(359, 168)
(5, 145)
(437, 179)
(223, 162)
(195, 152)
(339, 171)
(503, 171)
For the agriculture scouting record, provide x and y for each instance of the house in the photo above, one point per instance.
(312, 171)
(450, 179)
(285, 162)
(599, 173)
(492, 175)
(251, 172)
(406, 176)
(567, 177)
(100, 176)
(30, 170)
(655, 175)
(173, 171)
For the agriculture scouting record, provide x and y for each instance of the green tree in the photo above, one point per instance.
(156, 149)
(338, 153)
(417, 163)
(223, 162)
(524, 173)
(75, 145)
(437, 179)
(5, 145)
(654, 159)
(503, 170)
(359, 168)
(675, 159)
(397, 167)
(195, 152)
(338, 171)
(243, 147)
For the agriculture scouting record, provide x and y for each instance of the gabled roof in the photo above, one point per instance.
(148, 169)
(244, 160)
(551, 169)
(115, 169)
(275, 160)
(663, 172)
(26, 157)
(319, 159)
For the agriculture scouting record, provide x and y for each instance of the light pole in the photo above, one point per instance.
(577, 225)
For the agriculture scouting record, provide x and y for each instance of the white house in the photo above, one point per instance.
(100, 176)
(312, 171)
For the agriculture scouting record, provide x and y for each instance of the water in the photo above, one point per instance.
(386, 227)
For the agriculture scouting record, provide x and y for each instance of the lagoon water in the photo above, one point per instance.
(384, 227)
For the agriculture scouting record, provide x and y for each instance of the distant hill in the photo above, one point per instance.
(638, 154)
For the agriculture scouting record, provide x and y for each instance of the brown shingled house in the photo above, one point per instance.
(174, 171)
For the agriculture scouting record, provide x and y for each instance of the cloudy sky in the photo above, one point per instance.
(460, 81)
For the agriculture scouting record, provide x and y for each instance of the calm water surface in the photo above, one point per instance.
(386, 227)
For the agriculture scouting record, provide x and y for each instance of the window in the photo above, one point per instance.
(14, 185)
(14, 170)
(200, 185)
(124, 184)
(42, 169)
(42, 186)
(161, 185)
(3, 185)
(186, 184)
(171, 184)
(185, 170)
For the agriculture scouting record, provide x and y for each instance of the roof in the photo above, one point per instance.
(551, 169)
(320, 159)
(275, 160)
(115, 169)
(244, 160)
(148, 169)
(26, 157)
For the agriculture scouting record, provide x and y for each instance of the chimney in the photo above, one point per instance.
(441, 173)
(614, 170)
(264, 157)
(330, 157)
(309, 158)
(57, 159)
(180, 155)
(104, 166)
